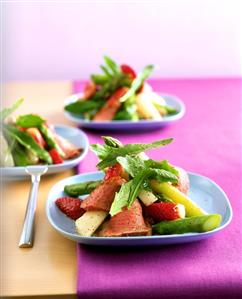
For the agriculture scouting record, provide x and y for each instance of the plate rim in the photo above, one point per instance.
(117, 239)
(166, 119)
(76, 160)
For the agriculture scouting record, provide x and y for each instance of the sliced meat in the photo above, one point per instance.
(70, 150)
(129, 222)
(183, 180)
(110, 108)
(102, 197)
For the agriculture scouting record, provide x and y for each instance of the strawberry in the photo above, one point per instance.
(56, 158)
(70, 206)
(165, 211)
(126, 69)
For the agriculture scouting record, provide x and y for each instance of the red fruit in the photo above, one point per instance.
(55, 156)
(35, 133)
(165, 211)
(126, 69)
(70, 206)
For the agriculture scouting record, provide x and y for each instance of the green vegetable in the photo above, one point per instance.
(121, 198)
(137, 83)
(198, 224)
(128, 111)
(29, 121)
(7, 111)
(27, 141)
(80, 107)
(109, 154)
(129, 191)
(20, 156)
(50, 139)
(113, 142)
(112, 65)
(99, 79)
(161, 165)
(192, 209)
(6, 158)
(81, 188)
(170, 110)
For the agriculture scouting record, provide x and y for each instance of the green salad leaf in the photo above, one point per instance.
(108, 154)
(80, 107)
(137, 83)
(29, 121)
(27, 141)
(7, 111)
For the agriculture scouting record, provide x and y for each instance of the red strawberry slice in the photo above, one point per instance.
(126, 69)
(70, 206)
(165, 211)
(56, 158)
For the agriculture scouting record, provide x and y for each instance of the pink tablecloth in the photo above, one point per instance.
(207, 141)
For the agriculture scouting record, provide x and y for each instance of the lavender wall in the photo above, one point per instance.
(185, 38)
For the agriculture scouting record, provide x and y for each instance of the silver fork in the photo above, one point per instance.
(27, 236)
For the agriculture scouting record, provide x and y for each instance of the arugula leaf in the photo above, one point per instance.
(109, 154)
(129, 191)
(137, 83)
(132, 165)
(29, 121)
(7, 111)
(99, 79)
(135, 165)
(120, 199)
(161, 165)
(27, 141)
(112, 65)
(80, 107)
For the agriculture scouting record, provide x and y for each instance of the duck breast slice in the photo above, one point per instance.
(129, 222)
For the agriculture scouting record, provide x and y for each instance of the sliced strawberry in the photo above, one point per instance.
(70, 206)
(35, 133)
(165, 211)
(126, 69)
(55, 156)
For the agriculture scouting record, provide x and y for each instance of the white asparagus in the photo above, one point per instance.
(89, 222)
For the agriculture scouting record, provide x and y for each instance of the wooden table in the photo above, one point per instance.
(49, 268)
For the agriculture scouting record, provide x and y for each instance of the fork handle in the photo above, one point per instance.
(27, 235)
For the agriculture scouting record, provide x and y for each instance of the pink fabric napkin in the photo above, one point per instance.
(208, 142)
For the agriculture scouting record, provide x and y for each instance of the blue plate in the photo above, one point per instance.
(128, 125)
(75, 136)
(202, 190)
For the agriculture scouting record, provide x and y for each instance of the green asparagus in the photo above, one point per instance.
(81, 188)
(198, 224)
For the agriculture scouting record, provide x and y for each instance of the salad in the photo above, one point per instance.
(120, 94)
(31, 140)
(138, 196)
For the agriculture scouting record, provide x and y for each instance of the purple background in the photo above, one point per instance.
(207, 141)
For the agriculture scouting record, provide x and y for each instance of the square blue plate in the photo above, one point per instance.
(203, 191)
(123, 125)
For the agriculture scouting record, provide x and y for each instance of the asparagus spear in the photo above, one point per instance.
(198, 224)
(81, 188)
(192, 209)
(50, 139)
